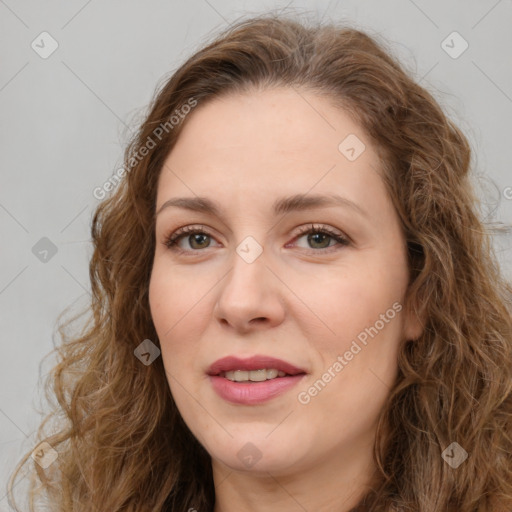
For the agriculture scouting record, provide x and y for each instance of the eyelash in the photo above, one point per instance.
(171, 241)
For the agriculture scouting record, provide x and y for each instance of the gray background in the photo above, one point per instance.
(64, 121)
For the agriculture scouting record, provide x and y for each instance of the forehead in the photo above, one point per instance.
(285, 140)
(284, 121)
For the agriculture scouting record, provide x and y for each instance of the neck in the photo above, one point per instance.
(326, 485)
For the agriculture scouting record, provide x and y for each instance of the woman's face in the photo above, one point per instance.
(262, 282)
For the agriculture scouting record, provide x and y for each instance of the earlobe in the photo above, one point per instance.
(415, 321)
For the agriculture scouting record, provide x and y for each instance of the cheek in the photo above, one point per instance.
(179, 309)
(368, 322)
(350, 302)
(167, 309)
(356, 365)
(174, 297)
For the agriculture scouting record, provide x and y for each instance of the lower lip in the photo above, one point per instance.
(252, 393)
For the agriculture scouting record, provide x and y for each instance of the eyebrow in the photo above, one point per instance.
(297, 202)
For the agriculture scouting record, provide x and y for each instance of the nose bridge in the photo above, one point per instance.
(248, 292)
(248, 269)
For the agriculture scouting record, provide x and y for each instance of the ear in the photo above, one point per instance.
(415, 319)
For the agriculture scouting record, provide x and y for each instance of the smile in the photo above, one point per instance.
(253, 375)
(253, 380)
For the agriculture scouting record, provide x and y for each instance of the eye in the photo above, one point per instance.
(195, 235)
(320, 237)
(198, 238)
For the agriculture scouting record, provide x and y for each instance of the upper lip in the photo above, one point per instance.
(258, 362)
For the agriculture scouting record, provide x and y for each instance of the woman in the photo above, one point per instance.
(295, 305)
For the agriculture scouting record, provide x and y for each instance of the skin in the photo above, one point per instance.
(301, 301)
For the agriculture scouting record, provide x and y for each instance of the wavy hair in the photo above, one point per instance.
(121, 442)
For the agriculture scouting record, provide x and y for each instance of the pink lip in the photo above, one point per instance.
(231, 363)
(252, 393)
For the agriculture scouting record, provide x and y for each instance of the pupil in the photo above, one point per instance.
(195, 238)
(316, 238)
(322, 235)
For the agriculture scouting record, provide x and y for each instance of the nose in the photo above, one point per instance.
(250, 296)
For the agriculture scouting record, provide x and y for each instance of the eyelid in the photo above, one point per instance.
(323, 228)
(171, 240)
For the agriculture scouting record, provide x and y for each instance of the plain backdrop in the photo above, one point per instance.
(66, 116)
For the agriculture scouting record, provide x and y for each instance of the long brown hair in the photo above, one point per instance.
(120, 439)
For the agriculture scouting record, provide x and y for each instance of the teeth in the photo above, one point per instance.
(272, 374)
(240, 375)
(253, 375)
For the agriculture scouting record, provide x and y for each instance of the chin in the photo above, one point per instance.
(257, 455)
(257, 465)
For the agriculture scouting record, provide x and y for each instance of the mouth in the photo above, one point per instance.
(254, 369)
(253, 375)
(254, 380)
